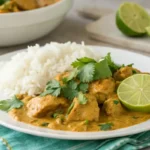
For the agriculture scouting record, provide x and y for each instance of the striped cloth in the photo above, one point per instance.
(13, 140)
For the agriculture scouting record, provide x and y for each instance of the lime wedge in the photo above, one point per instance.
(148, 30)
(134, 92)
(132, 19)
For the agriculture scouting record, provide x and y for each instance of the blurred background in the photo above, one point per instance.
(73, 26)
(112, 3)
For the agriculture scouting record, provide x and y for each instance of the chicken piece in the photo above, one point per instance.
(89, 111)
(40, 106)
(113, 107)
(102, 89)
(124, 72)
(43, 3)
(27, 4)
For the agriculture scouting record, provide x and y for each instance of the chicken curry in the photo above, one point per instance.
(78, 101)
(7, 6)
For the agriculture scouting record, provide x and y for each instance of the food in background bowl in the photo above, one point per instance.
(26, 26)
(7, 6)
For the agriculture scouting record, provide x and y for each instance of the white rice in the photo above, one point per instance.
(29, 71)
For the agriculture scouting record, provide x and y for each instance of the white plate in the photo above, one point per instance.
(119, 56)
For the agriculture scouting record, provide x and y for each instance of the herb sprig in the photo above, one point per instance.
(85, 71)
(106, 126)
(7, 105)
(90, 70)
(112, 65)
(3, 1)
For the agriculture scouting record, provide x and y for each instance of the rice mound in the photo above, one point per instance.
(28, 72)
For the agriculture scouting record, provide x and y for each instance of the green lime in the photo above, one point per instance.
(132, 19)
(148, 30)
(134, 92)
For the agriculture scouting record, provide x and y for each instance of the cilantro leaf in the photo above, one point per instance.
(86, 122)
(134, 71)
(3, 1)
(82, 61)
(70, 107)
(53, 87)
(72, 75)
(7, 105)
(72, 84)
(116, 102)
(52, 84)
(55, 92)
(45, 124)
(83, 87)
(82, 98)
(69, 93)
(86, 60)
(86, 73)
(55, 115)
(113, 66)
(111, 63)
(64, 80)
(77, 64)
(102, 70)
(106, 126)
(130, 65)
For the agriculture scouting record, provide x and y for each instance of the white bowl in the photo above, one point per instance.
(22, 27)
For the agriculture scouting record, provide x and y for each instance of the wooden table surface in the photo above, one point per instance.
(73, 27)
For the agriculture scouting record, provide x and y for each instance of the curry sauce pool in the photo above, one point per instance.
(111, 121)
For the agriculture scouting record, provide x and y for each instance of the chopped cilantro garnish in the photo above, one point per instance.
(106, 126)
(69, 90)
(52, 83)
(69, 93)
(55, 115)
(70, 107)
(72, 84)
(45, 124)
(53, 87)
(92, 70)
(102, 70)
(82, 61)
(7, 105)
(134, 71)
(83, 87)
(86, 122)
(82, 98)
(86, 73)
(3, 1)
(130, 65)
(116, 102)
(134, 117)
(113, 66)
(72, 75)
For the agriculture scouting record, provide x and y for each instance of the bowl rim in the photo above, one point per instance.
(33, 10)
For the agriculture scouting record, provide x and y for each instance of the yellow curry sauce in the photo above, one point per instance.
(103, 110)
